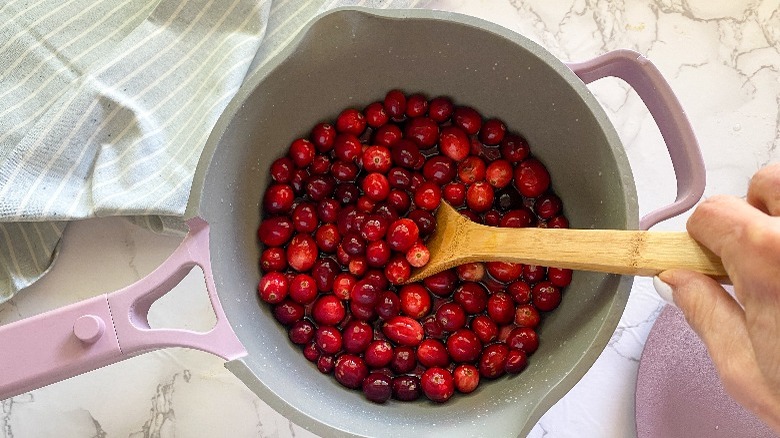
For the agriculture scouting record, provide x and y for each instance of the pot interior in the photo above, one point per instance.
(350, 58)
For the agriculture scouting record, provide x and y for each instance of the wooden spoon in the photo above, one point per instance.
(458, 240)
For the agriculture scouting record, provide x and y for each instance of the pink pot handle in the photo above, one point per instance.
(663, 105)
(99, 331)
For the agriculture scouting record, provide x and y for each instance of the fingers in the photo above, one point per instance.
(722, 220)
(764, 190)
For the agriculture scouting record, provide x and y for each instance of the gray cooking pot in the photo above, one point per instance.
(352, 57)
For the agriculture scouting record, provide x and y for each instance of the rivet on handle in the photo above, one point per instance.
(89, 328)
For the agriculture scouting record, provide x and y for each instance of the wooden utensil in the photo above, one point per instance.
(458, 240)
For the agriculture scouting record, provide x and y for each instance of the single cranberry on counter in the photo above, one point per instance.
(377, 387)
(350, 370)
(437, 384)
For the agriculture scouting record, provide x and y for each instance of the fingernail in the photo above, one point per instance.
(664, 290)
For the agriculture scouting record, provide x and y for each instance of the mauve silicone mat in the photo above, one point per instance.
(678, 391)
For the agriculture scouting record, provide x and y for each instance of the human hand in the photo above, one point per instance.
(742, 335)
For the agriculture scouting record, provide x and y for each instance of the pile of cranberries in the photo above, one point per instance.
(346, 217)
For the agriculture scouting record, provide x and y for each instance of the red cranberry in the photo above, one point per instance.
(328, 310)
(501, 308)
(399, 178)
(376, 115)
(479, 196)
(353, 244)
(527, 316)
(376, 186)
(350, 370)
(405, 153)
(464, 346)
(377, 253)
(546, 297)
(504, 271)
(311, 352)
(278, 198)
(364, 293)
(399, 202)
(492, 363)
(492, 132)
(417, 180)
(531, 178)
(558, 222)
(426, 222)
(273, 287)
(471, 271)
(288, 312)
(471, 170)
(327, 238)
(520, 291)
(302, 252)
(351, 121)
(533, 274)
(344, 171)
(358, 265)
(422, 131)
(514, 148)
(440, 109)
(415, 300)
(395, 104)
(302, 152)
(402, 234)
(406, 388)
(301, 333)
(275, 231)
(398, 270)
(451, 316)
(326, 363)
(303, 289)
(387, 135)
(323, 135)
(377, 387)
(404, 360)
(468, 119)
(485, 328)
(466, 377)
(432, 353)
(472, 296)
(362, 312)
(347, 147)
(438, 169)
(427, 196)
(305, 218)
(454, 143)
(282, 169)
(416, 105)
(432, 329)
(273, 260)
(492, 217)
(547, 205)
(499, 173)
(454, 193)
(403, 330)
(441, 284)
(559, 277)
(523, 338)
(418, 255)
(378, 354)
(328, 210)
(357, 336)
(343, 284)
(519, 218)
(328, 339)
(320, 165)
(319, 187)
(377, 159)
(437, 384)
(389, 305)
(374, 228)
(324, 273)
(516, 361)
(298, 181)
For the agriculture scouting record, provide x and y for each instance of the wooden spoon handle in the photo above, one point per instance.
(644, 253)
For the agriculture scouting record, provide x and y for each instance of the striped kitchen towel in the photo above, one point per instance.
(105, 106)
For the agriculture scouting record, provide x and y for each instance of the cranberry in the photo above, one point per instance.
(402, 234)
(273, 260)
(441, 284)
(377, 387)
(423, 131)
(547, 205)
(426, 222)
(389, 305)
(326, 363)
(454, 193)
(305, 218)
(499, 173)
(546, 296)
(464, 346)
(479, 196)
(531, 178)
(344, 171)
(328, 310)
(327, 238)
(471, 271)
(282, 169)
(451, 316)
(311, 352)
(523, 338)
(358, 265)
(275, 231)
(427, 196)
(323, 135)
(302, 152)
(404, 360)
(399, 178)
(362, 312)
(415, 300)
(328, 339)
(466, 377)
(437, 384)
(319, 187)
(377, 159)
(303, 289)
(273, 287)
(432, 329)
(417, 180)
(558, 222)
(520, 291)
(472, 296)
(514, 148)
(485, 328)
(440, 109)
(516, 361)
(377, 253)
(492, 363)
(364, 293)
(533, 274)
(387, 135)
(343, 284)
(454, 143)
(403, 330)
(376, 115)
(328, 210)
(395, 104)
(432, 353)
(278, 199)
(405, 153)
(468, 119)
(438, 169)
(378, 354)
(416, 105)
(527, 316)
(492, 132)
(501, 308)
(519, 218)
(288, 312)
(406, 388)
(320, 165)
(504, 271)
(302, 252)
(418, 255)
(559, 277)
(301, 333)
(492, 217)
(472, 169)
(347, 147)
(357, 336)
(376, 186)
(351, 121)
(350, 370)
(298, 181)
(374, 228)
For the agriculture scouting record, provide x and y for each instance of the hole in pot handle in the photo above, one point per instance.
(661, 102)
(108, 328)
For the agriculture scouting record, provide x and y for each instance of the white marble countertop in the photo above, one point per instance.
(721, 57)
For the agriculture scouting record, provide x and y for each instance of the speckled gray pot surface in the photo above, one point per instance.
(350, 58)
